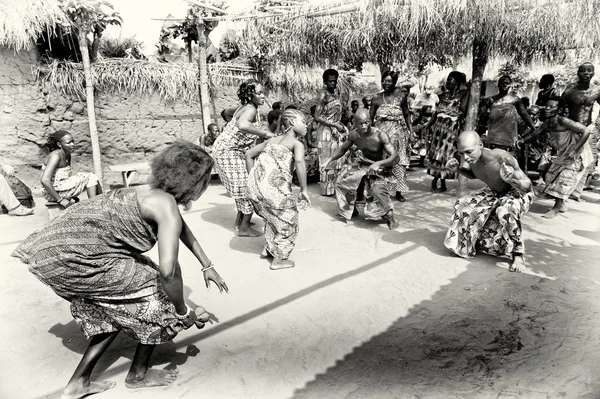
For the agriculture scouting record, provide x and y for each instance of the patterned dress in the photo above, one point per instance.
(327, 144)
(91, 255)
(565, 175)
(270, 191)
(389, 118)
(229, 153)
(490, 222)
(444, 132)
(69, 186)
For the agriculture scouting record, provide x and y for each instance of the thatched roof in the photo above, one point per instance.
(22, 21)
(387, 31)
(176, 82)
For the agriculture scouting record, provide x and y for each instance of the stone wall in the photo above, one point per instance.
(130, 129)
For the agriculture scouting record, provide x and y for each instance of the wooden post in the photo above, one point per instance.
(89, 97)
(203, 77)
(480, 59)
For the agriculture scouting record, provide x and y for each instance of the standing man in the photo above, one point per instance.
(489, 220)
(580, 99)
(505, 112)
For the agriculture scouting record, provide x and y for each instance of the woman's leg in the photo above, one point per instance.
(141, 376)
(559, 207)
(434, 185)
(80, 385)
(443, 185)
(93, 191)
(245, 230)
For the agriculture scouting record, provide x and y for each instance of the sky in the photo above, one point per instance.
(137, 18)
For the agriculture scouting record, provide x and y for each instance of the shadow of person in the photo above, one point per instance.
(592, 235)
(433, 241)
(123, 346)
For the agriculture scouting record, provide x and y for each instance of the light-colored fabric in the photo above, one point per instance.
(377, 194)
(270, 191)
(68, 185)
(389, 118)
(489, 222)
(229, 152)
(7, 197)
(327, 144)
(566, 176)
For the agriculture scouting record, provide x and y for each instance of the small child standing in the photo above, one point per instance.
(269, 187)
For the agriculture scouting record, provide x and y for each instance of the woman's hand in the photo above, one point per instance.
(341, 128)
(373, 168)
(304, 200)
(212, 275)
(190, 320)
(325, 166)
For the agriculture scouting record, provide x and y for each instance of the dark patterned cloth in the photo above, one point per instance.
(91, 255)
(489, 222)
(376, 190)
(270, 191)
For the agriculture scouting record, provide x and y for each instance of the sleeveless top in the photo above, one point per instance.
(233, 139)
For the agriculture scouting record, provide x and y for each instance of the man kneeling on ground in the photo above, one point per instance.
(489, 220)
(368, 171)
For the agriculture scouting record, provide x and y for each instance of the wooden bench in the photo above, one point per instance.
(129, 170)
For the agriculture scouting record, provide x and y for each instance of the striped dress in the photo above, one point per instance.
(229, 152)
(91, 255)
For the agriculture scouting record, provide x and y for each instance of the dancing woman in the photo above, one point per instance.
(390, 114)
(444, 128)
(270, 187)
(328, 114)
(92, 256)
(230, 147)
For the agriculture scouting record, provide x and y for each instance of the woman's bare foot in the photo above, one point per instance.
(152, 378)
(518, 264)
(562, 208)
(249, 232)
(281, 264)
(81, 390)
(552, 213)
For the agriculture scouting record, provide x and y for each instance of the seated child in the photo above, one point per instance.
(58, 182)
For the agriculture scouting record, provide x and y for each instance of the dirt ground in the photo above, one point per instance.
(366, 313)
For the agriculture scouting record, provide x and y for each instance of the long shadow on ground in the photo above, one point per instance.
(487, 334)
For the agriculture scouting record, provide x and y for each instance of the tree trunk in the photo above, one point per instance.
(95, 47)
(89, 96)
(480, 59)
(203, 78)
(190, 52)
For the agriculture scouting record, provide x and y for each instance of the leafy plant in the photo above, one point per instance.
(121, 47)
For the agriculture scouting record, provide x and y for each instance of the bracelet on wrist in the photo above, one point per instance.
(210, 266)
(186, 315)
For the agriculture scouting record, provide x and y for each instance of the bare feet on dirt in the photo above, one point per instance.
(518, 264)
(81, 390)
(20, 211)
(152, 378)
(279, 264)
(552, 213)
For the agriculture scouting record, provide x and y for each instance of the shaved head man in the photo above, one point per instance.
(369, 168)
(489, 219)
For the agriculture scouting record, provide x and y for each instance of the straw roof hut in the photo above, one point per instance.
(23, 21)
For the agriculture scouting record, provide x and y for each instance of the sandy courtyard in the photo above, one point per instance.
(367, 312)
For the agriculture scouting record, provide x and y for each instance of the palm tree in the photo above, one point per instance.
(389, 31)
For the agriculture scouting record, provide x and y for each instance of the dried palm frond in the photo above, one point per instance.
(23, 21)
